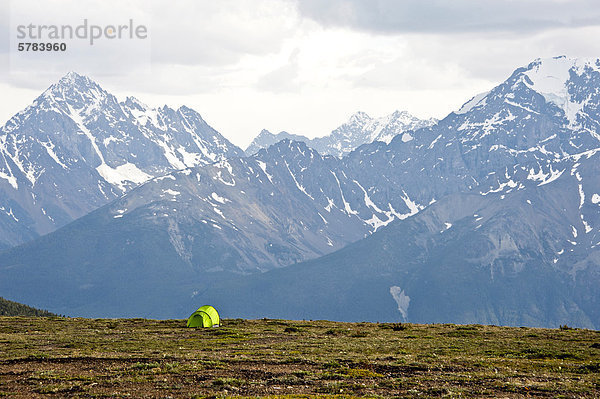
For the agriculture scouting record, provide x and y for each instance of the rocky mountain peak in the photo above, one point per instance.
(75, 88)
(134, 103)
(359, 118)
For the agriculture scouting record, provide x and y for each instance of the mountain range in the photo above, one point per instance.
(358, 130)
(490, 215)
(76, 148)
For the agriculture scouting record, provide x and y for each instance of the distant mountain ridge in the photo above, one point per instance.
(77, 148)
(358, 130)
(266, 139)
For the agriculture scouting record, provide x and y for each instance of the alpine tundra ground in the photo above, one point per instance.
(58, 357)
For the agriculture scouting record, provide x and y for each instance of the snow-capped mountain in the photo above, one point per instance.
(506, 188)
(509, 137)
(77, 148)
(266, 139)
(361, 129)
(358, 130)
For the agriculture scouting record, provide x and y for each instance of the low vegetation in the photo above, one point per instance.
(57, 357)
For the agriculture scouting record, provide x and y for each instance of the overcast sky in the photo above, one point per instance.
(301, 66)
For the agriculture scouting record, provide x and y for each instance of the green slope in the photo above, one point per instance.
(10, 308)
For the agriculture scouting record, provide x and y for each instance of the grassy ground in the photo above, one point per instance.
(57, 357)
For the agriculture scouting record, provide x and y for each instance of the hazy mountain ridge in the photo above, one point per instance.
(266, 139)
(358, 130)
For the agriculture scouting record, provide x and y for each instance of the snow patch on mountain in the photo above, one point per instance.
(475, 101)
(544, 178)
(263, 167)
(402, 300)
(550, 78)
(218, 198)
(298, 185)
(347, 207)
(127, 172)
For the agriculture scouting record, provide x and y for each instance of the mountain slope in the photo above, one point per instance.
(358, 130)
(465, 259)
(77, 148)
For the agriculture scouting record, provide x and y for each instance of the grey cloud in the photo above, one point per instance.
(456, 16)
(212, 35)
(219, 33)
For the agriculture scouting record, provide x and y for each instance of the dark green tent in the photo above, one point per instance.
(205, 316)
